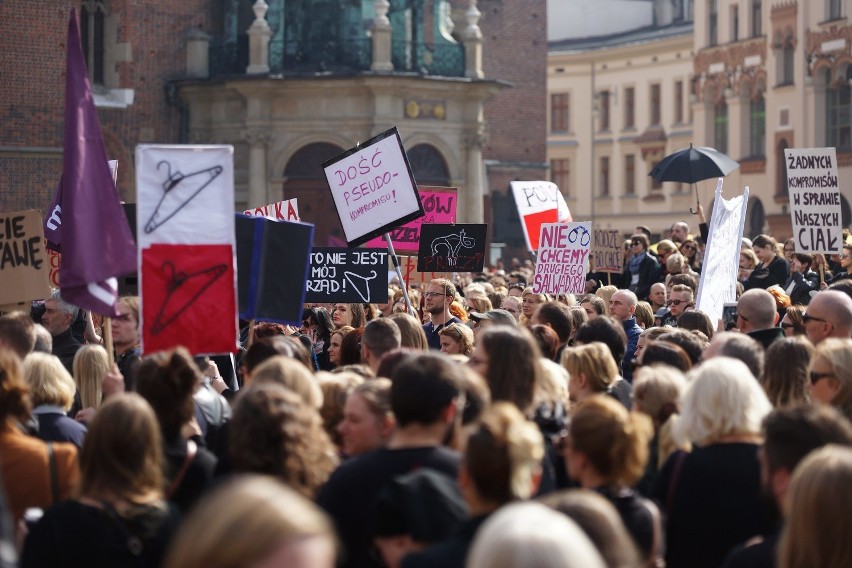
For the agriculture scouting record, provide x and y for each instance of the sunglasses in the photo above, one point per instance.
(675, 302)
(634, 243)
(817, 377)
(688, 247)
(807, 318)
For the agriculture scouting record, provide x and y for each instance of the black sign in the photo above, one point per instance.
(272, 265)
(347, 275)
(451, 248)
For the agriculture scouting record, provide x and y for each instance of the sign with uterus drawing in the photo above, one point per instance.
(452, 248)
(186, 241)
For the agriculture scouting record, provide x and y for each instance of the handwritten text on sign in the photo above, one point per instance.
(562, 254)
(607, 252)
(23, 270)
(347, 275)
(440, 207)
(815, 199)
(373, 188)
(287, 210)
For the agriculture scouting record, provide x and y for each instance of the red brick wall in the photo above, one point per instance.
(32, 88)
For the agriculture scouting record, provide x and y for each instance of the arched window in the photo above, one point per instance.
(305, 181)
(92, 16)
(428, 165)
(755, 218)
(757, 126)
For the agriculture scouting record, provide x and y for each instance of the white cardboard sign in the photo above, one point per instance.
(814, 199)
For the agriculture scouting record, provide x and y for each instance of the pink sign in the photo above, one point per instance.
(439, 203)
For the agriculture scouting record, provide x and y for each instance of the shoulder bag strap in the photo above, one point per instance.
(191, 450)
(54, 474)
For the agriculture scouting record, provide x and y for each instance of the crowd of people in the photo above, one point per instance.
(484, 425)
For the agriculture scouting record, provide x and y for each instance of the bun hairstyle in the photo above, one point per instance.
(167, 380)
(504, 454)
(613, 439)
(14, 393)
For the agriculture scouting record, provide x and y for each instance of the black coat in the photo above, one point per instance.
(805, 284)
(648, 271)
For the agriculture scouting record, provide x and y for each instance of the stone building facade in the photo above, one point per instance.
(289, 84)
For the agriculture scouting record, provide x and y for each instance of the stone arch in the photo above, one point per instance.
(447, 153)
(755, 218)
(305, 181)
(428, 165)
(283, 154)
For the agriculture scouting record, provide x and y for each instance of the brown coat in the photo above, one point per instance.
(26, 471)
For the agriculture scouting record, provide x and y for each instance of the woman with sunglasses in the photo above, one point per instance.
(831, 375)
(689, 250)
(642, 268)
(772, 270)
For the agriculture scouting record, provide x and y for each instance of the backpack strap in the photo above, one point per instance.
(191, 450)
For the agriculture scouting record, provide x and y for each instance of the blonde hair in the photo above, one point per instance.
(605, 293)
(244, 521)
(504, 454)
(838, 354)
(291, 374)
(461, 334)
(656, 392)
(722, 399)
(593, 360)
(335, 388)
(91, 364)
(48, 380)
(674, 263)
(613, 439)
(819, 503)
(531, 534)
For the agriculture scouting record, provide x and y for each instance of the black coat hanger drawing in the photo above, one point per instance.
(178, 190)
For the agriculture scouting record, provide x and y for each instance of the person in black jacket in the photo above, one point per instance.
(641, 269)
(803, 282)
(772, 270)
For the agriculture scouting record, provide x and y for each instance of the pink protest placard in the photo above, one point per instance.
(439, 203)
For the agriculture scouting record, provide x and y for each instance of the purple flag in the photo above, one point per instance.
(86, 217)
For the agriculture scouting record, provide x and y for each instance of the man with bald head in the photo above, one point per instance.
(757, 317)
(829, 315)
(680, 232)
(622, 306)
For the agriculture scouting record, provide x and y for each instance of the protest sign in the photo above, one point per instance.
(24, 266)
(607, 252)
(452, 248)
(562, 254)
(373, 188)
(814, 199)
(272, 266)
(718, 284)
(413, 277)
(185, 233)
(287, 210)
(347, 275)
(538, 202)
(439, 205)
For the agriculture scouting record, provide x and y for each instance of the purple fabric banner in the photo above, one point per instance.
(85, 220)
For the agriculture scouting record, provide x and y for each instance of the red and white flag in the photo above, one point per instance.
(185, 230)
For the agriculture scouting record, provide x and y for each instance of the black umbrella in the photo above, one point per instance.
(691, 165)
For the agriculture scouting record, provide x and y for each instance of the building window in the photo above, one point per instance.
(838, 120)
(785, 65)
(756, 23)
(720, 126)
(678, 102)
(603, 102)
(757, 120)
(629, 100)
(630, 174)
(92, 14)
(781, 187)
(560, 172)
(559, 112)
(604, 183)
(835, 9)
(713, 22)
(655, 105)
(735, 23)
